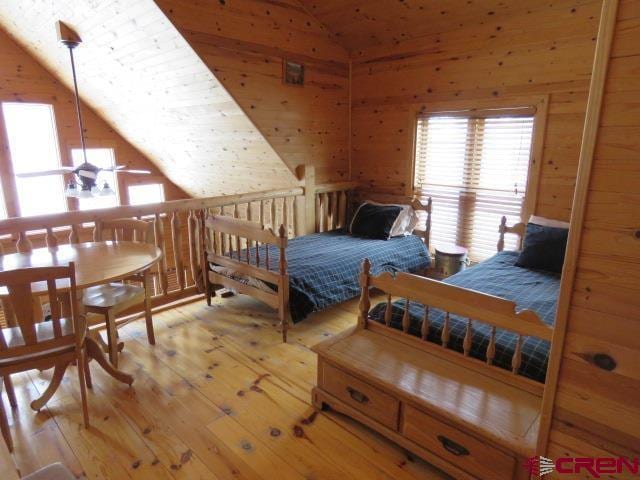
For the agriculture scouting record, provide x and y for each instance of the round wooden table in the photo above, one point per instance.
(96, 263)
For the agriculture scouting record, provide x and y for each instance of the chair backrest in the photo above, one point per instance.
(124, 229)
(25, 304)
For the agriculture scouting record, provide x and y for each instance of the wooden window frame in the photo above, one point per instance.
(538, 104)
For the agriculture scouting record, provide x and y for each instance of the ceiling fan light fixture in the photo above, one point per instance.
(71, 191)
(107, 190)
(85, 193)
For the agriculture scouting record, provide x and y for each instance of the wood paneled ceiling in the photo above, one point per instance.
(140, 74)
(359, 24)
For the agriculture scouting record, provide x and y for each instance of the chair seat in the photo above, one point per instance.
(112, 294)
(44, 332)
(47, 341)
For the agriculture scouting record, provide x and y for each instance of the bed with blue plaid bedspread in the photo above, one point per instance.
(499, 276)
(324, 267)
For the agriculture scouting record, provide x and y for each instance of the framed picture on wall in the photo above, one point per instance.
(292, 73)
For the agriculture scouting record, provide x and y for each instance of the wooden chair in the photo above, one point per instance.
(37, 344)
(111, 299)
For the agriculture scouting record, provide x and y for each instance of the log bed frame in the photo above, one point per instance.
(464, 415)
(229, 237)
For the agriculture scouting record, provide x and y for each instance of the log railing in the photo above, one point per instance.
(179, 228)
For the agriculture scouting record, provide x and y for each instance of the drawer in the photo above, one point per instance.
(456, 447)
(369, 400)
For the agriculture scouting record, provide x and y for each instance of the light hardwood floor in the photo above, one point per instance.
(218, 397)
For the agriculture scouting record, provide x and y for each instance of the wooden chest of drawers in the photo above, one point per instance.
(440, 414)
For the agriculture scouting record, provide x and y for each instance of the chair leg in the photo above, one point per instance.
(4, 425)
(87, 372)
(147, 308)
(82, 364)
(11, 394)
(112, 337)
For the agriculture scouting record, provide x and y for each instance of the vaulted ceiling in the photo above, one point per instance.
(359, 24)
(196, 84)
(141, 75)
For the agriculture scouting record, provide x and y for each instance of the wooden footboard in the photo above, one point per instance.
(242, 247)
(476, 307)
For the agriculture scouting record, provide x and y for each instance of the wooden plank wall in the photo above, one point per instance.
(542, 49)
(596, 409)
(23, 79)
(243, 42)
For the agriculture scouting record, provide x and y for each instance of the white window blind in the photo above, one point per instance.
(475, 168)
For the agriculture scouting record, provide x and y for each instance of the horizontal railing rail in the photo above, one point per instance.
(179, 228)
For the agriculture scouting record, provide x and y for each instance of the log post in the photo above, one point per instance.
(307, 176)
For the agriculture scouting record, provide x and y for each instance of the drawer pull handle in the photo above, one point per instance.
(357, 396)
(453, 447)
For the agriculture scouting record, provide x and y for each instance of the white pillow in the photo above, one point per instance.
(405, 223)
(548, 222)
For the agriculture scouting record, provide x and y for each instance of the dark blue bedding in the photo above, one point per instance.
(530, 289)
(324, 267)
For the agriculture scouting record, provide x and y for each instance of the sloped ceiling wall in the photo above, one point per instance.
(139, 73)
(244, 42)
(361, 24)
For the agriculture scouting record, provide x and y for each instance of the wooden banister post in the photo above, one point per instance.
(502, 229)
(307, 177)
(283, 287)
(365, 302)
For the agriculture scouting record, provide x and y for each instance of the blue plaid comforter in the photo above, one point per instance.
(324, 267)
(532, 289)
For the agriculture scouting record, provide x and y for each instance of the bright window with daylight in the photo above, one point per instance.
(3, 207)
(475, 168)
(33, 147)
(147, 193)
(103, 158)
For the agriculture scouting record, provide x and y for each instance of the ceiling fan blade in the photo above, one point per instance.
(144, 172)
(57, 171)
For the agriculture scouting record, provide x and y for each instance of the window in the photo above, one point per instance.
(3, 208)
(149, 193)
(33, 145)
(103, 158)
(475, 168)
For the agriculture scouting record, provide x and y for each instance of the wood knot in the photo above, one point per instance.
(246, 445)
(275, 432)
(604, 361)
(637, 234)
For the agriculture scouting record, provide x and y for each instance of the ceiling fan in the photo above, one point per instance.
(87, 173)
(87, 176)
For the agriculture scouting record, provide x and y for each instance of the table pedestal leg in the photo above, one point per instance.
(93, 342)
(95, 352)
(58, 373)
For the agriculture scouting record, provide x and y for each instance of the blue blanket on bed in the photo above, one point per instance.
(530, 289)
(324, 267)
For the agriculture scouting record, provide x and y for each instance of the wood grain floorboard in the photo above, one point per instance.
(218, 397)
